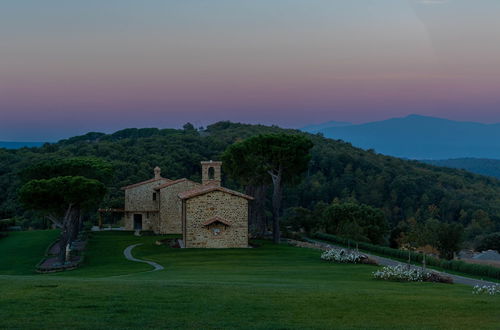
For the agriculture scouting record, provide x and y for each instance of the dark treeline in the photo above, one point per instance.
(403, 190)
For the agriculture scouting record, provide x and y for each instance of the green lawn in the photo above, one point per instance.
(270, 287)
(21, 251)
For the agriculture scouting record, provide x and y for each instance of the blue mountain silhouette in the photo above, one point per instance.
(421, 137)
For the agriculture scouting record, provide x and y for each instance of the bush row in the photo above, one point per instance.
(454, 265)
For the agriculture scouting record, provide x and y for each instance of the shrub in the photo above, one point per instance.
(400, 273)
(486, 289)
(358, 221)
(404, 273)
(342, 256)
(489, 242)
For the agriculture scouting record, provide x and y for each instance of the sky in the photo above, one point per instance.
(68, 67)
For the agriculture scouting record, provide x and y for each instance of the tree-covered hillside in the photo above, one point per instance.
(490, 167)
(402, 189)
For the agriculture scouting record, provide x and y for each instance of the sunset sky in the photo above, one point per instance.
(69, 67)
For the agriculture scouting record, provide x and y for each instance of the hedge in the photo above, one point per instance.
(455, 265)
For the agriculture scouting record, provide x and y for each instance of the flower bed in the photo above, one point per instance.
(486, 289)
(399, 273)
(403, 273)
(50, 263)
(346, 256)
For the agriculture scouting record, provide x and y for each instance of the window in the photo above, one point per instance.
(154, 196)
(211, 173)
(216, 231)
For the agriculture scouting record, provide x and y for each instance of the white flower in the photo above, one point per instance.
(486, 289)
(342, 256)
(401, 273)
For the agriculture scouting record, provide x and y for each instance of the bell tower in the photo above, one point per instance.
(211, 173)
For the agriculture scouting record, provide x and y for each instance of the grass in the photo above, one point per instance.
(270, 287)
(104, 255)
(21, 251)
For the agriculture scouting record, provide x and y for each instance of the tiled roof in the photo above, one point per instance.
(171, 183)
(144, 182)
(216, 219)
(209, 188)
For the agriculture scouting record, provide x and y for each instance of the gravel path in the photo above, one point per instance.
(128, 254)
(391, 262)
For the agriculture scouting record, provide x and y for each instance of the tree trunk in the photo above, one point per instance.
(277, 194)
(257, 220)
(251, 190)
(69, 224)
(77, 227)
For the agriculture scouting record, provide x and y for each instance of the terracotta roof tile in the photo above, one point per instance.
(171, 183)
(144, 182)
(209, 188)
(216, 219)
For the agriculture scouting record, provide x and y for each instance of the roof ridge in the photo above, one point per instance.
(173, 182)
(143, 182)
(209, 188)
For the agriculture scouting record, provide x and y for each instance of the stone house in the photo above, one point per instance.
(141, 203)
(207, 214)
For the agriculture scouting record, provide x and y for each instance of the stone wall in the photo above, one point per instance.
(149, 220)
(231, 208)
(139, 200)
(171, 207)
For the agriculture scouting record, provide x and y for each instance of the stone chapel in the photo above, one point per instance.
(207, 214)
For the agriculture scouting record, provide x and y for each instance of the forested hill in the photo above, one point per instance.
(403, 189)
(490, 167)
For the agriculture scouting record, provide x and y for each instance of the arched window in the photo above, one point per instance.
(211, 173)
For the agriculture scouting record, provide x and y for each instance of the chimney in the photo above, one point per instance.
(157, 172)
(211, 173)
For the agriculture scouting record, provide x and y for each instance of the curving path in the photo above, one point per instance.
(128, 254)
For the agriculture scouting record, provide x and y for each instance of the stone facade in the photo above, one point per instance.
(207, 215)
(141, 205)
(216, 219)
(170, 206)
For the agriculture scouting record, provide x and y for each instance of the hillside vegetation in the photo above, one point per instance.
(401, 189)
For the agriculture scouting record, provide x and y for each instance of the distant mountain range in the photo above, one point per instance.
(418, 137)
(18, 145)
(317, 128)
(489, 167)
